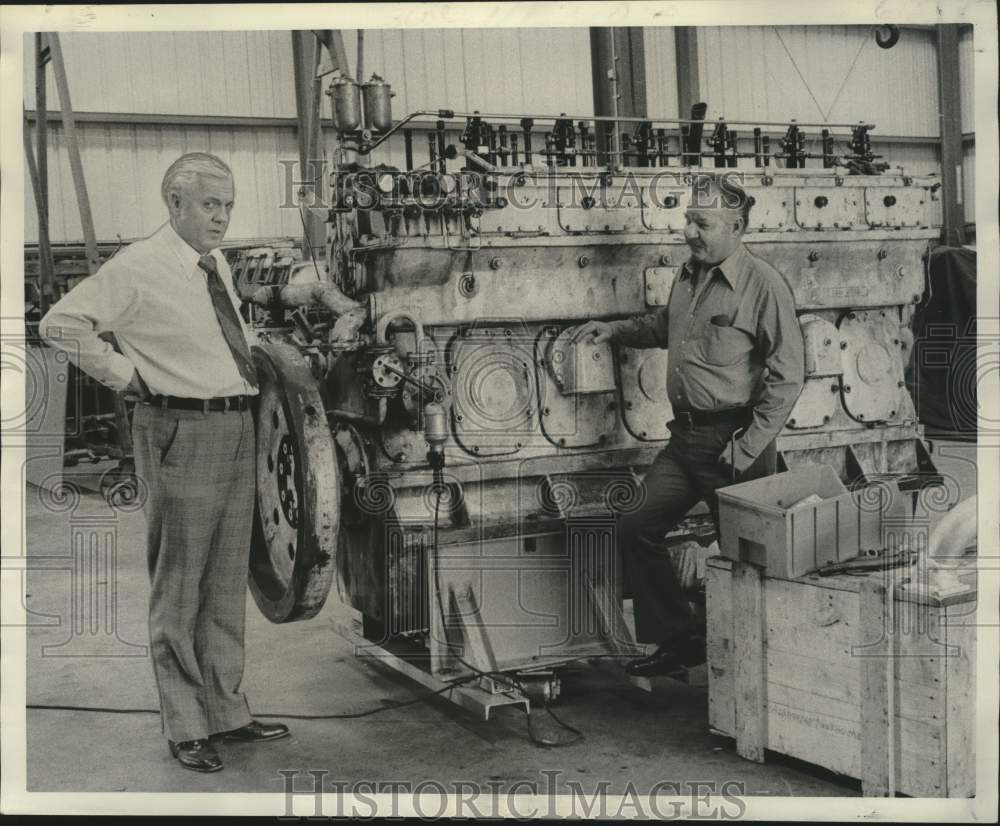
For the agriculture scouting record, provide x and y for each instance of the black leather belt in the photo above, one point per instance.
(221, 403)
(700, 418)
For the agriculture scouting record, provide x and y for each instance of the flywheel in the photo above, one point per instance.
(297, 519)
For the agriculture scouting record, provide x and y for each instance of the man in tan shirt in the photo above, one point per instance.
(735, 369)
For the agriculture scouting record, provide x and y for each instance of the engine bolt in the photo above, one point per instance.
(814, 256)
(496, 263)
(882, 255)
(583, 261)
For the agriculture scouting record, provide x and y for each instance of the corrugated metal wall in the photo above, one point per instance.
(818, 74)
(251, 74)
(661, 72)
(492, 70)
(176, 73)
(124, 166)
(746, 72)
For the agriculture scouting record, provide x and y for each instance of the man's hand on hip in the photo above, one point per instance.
(137, 390)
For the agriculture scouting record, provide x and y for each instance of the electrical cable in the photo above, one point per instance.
(477, 673)
(344, 716)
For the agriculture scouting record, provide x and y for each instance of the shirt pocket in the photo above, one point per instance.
(724, 346)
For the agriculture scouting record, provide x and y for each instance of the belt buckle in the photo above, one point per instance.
(686, 418)
(205, 406)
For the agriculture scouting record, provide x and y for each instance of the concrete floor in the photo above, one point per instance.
(307, 669)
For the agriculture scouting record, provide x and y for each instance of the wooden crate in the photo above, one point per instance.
(804, 667)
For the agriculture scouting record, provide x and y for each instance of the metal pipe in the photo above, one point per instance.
(439, 130)
(432, 150)
(616, 148)
(483, 164)
(73, 151)
(626, 119)
(361, 63)
(388, 318)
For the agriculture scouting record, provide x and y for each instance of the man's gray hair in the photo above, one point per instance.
(188, 168)
(721, 191)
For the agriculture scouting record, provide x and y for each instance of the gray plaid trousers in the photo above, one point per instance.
(199, 470)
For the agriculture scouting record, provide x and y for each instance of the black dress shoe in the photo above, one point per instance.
(197, 755)
(668, 659)
(254, 732)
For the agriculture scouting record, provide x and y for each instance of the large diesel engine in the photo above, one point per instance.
(435, 441)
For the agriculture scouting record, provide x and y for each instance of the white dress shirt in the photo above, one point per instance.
(154, 297)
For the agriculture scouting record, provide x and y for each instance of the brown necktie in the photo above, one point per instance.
(228, 320)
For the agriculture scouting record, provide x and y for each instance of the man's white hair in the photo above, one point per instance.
(188, 168)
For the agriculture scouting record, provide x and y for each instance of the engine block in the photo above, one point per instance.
(471, 274)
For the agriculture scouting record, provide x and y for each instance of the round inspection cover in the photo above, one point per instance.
(494, 394)
(297, 519)
(872, 361)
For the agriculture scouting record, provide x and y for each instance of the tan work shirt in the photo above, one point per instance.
(733, 341)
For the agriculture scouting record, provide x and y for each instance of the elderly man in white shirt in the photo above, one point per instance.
(169, 301)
